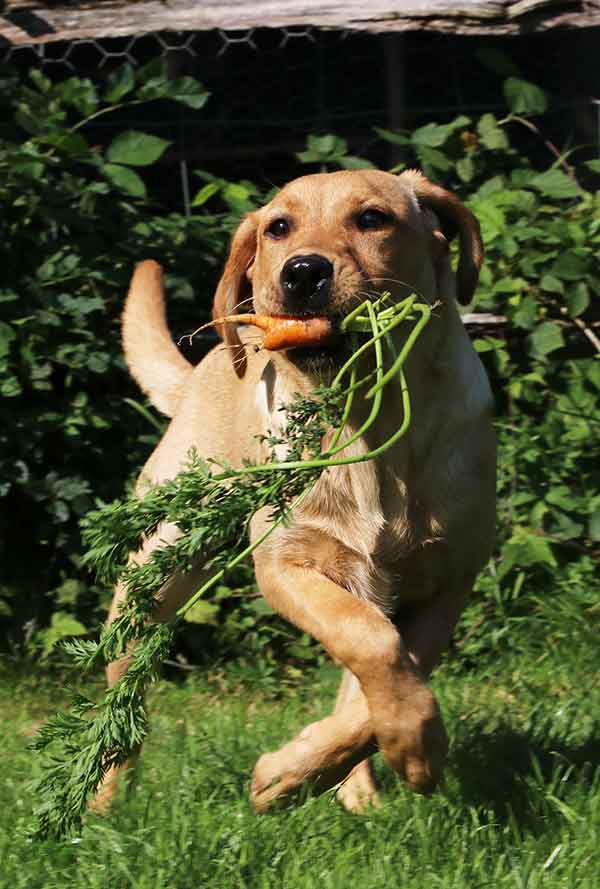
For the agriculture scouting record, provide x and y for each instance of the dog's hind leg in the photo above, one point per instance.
(358, 790)
(427, 627)
(171, 595)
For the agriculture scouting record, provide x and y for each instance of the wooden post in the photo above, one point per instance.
(395, 72)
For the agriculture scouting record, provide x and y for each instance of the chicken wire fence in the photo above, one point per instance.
(270, 87)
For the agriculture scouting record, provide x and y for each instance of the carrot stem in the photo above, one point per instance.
(390, 321)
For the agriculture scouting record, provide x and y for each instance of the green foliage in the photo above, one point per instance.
(542, 236)
(240, 197)
(523, 97)
(74, 219)
(62, 626)
(330, 149)
(91, 746)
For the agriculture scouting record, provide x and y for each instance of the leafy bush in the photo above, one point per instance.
(77, 216)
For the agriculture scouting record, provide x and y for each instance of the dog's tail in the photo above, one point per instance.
(155, 362)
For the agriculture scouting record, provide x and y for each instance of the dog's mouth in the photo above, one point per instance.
(320, 358)
(316, 360)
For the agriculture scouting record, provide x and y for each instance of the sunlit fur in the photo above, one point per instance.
(381, 556)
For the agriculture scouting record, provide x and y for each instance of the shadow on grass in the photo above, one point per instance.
(513, 773)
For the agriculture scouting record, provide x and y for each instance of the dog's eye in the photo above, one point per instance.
(372, 219)
(279, 228)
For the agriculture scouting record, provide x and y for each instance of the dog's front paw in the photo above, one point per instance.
(413, 741)
(275, 776)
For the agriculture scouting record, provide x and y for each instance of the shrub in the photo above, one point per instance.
(75, 219)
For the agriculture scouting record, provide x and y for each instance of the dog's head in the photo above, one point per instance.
(329, 241)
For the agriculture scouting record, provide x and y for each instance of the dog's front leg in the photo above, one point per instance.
(402, 712)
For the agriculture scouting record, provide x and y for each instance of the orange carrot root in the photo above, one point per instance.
(282, 331)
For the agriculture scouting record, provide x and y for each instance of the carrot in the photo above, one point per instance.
(283, 331)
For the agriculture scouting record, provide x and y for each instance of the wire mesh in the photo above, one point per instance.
(270, 87)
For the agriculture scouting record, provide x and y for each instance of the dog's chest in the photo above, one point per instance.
(358, 526)
(346, 504)
(368, 540)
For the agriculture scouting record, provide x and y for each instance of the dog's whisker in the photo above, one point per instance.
(242, 302)
(402, 283)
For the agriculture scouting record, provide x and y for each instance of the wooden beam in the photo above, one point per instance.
(32, 21)
(482, 319)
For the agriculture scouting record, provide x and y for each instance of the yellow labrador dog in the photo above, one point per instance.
(381, 557)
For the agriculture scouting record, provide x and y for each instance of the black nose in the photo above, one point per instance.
(306, 282)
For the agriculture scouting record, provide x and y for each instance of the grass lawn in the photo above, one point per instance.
(521, 805)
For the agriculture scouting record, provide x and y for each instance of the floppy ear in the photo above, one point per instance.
(234, 288)
(454, 219)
